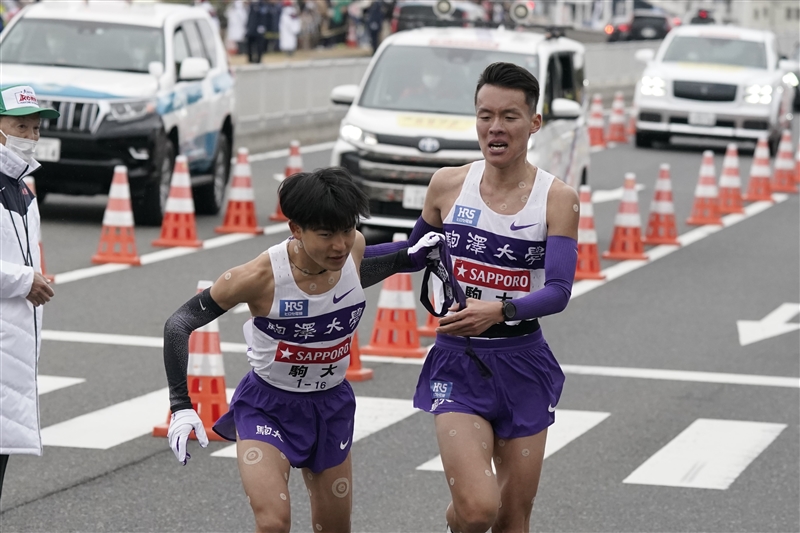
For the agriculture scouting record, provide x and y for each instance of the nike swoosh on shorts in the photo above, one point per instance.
(343, 445)
(337, 299)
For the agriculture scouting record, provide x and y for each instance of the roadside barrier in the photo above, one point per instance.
(759, 188)
(730, 185)
(294, 164)
(626, 242)
(240, 215)
(588, 266)
(31, 183)
(783, 179)
(178, 227)
(616, 123)
(205, 375)
(661, 227)
(596, 124)
(356, 372)
(706, 196)
(117, 240)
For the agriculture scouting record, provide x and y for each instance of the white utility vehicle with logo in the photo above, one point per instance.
(714, 81)
(414, 112)
(136, 83)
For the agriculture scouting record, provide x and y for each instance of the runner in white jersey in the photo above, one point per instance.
(491, 380)
(294, 409)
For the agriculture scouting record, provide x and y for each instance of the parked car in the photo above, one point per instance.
(136, 83)
(410, 14)
(714, 81)
(643, 24)
(414, 112)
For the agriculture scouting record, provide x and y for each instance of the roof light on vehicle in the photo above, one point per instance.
(758, 94)
(653, 86)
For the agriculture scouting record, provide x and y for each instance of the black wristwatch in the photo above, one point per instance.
(509, 310)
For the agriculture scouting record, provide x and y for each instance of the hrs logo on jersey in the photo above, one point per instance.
(503, 279)
(293, 308)
(466, 215)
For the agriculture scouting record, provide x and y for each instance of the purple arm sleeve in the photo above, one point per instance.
(560, 259)
(420, 229)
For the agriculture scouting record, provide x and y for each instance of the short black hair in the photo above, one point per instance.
(326, 199)
(511, 76)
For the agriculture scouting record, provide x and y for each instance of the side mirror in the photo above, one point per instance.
(194, 68)
(788, 65)
(155, 68)
(644, 55)
(561, 108)
(344, 94)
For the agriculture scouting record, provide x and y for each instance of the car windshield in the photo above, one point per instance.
(734, 52)
(433, 80)
(81, 44)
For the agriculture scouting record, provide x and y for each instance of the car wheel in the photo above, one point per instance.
(148, 210)
(643, 140)
(209, 198)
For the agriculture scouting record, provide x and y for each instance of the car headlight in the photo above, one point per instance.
(354, 134)
(653, 86)
(791, 79)
(758, 94)
(131, 110)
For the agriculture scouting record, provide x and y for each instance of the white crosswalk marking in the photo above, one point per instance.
(709, 454)
(51, 383)
(372, 415)
(569, 426)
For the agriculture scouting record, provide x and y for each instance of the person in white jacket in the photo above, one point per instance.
(288, 27)
(23, 288)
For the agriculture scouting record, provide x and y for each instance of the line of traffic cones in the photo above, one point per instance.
(616, 122)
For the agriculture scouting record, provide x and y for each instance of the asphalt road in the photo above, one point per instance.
(667, 422)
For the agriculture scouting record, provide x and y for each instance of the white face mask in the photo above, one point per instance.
(24, 148)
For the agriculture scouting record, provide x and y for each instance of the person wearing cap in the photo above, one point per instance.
(23, 288)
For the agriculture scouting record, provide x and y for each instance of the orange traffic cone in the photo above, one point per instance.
(429, 329)
(783, 176)
(797, 164)
(661, 228)
(31, 183)
(117, 241)
(395, 330)
(596, 124)
(355, 372)
(632, 123)
(178, 227)
(706, 197)
(730, 185)
(627, 240)
(206, 376)
(294, 164)
(759, 188)
(352, 38)
(616, 123)
(240, 215)
(588, 266)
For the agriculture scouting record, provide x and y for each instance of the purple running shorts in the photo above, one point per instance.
(518, 400)
(314, 430)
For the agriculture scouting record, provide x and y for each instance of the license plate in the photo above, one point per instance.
(648, 33)
(414, 196)
(702, 119)
(48, 149)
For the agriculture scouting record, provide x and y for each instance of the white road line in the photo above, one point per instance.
(609, 371)
(51, 383)
(569, 426)
(372, 415)
(284, 152)
(709, 454)
(608, 195)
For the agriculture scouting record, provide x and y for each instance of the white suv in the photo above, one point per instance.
(714, 81)
(414, 112)
(136, 83)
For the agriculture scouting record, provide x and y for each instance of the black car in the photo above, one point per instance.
(641, 26)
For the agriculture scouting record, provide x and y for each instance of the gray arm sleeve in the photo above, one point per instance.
(197, 312)
(376, 269)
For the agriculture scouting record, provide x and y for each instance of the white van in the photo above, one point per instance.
(414, 112)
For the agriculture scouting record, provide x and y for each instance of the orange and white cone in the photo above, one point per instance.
(632, 122)
(117, 240)
(759, 188)
(178, 227)
(596, 124)
(661, 227)
(588, 265)
(783, 179)
(616, 123)
(706, 195)
(294, 164)
(626, 242)
(205, 376)
(356, 372)
(730, 185)
(31, 183)
(240, 215)
(797, 164)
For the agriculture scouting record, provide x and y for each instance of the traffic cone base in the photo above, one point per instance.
(395, 331)
(356, 372)
(117, 245)
(629, 244)
(178, 229)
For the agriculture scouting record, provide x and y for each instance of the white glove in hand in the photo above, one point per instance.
(425, 248)
(180, 426)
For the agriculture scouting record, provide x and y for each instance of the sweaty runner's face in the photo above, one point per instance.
(504, 124)
(328, 249)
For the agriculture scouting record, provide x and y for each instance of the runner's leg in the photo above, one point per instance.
(331, 494)
(265, 476)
